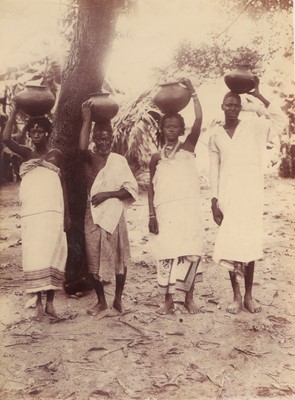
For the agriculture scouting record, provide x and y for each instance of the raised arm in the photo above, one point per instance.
(23, 151)
(86, 127)
(278, 120)
(192, 138)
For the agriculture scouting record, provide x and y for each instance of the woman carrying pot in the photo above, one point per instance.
(174, 208)
(44, 211)
(111, 187)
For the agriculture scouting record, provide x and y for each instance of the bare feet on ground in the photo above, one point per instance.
(251, 305)
(235, 306)
(191, 307)
(166, 309)
(99, 307)
(50, 310)
(117, 304)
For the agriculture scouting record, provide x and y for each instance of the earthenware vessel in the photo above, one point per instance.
(171, 97)
(35, 100)
(241, 80)
(103, 107)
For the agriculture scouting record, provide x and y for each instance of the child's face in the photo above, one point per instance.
(171, 129)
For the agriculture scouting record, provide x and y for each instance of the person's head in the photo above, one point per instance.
(103, 137)
(172, 126)
(39, 129)
(231, 106)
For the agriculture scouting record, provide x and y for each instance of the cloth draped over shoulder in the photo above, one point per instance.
(115, 175)
(44, 245)
(236, 176)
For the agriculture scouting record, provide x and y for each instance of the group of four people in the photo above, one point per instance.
(236, 151)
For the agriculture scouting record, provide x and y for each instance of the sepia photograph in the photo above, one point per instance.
(147, 176)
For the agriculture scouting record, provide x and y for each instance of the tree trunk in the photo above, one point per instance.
(83, 74)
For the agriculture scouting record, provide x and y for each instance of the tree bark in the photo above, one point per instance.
(83, 74)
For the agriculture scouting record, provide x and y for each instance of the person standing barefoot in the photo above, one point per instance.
(236, 175)
(174, 209)
(110, 185)
(44, 211)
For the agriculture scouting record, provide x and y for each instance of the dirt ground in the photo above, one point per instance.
(140, 354)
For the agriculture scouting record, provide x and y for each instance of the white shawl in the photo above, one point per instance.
(115, 175)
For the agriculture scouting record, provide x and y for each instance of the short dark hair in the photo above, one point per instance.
(234, 95)
(42, 121)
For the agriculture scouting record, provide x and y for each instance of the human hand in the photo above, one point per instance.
(217, 214)
(14, 109)
(187, 83)
(153, 225)
(86, 110)
(99, 198)
(255, 92)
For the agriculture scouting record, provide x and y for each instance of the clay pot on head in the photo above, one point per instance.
(171, 97)
(35, 100)
(104, 107)
(240, 80)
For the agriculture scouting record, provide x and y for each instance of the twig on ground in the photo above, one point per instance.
(128, 391)
(219, 393)
(111, 351)
(251, 353)
(140, 331)
(29, 326)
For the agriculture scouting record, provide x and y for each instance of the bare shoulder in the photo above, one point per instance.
(54, 156)
(155, 159)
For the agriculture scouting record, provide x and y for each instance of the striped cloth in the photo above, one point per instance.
(44, 245)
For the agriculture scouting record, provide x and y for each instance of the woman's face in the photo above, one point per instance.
(38, 134)
(103, 141)
(171, 129)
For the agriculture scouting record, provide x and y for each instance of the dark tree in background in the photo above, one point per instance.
(83, 74)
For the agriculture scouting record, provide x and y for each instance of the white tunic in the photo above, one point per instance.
(236, 175)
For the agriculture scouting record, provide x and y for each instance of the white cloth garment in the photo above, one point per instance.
(44, 244)
(115, 175)
(177, 204)
(236, 175)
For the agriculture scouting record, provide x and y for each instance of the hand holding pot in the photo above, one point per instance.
(255, 92)
(187, 83)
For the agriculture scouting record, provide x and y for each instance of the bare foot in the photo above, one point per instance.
(234, 307)
(251, 305)
(191, 307)
(49, 309)
(166, 309)
(97, 309)
(117, 304)
(39, 312)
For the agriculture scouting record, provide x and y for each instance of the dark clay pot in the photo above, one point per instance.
(35, 100)
(241, 80)
(103, 106)
(171, 97)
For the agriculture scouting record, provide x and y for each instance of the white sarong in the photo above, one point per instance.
(44, 245)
